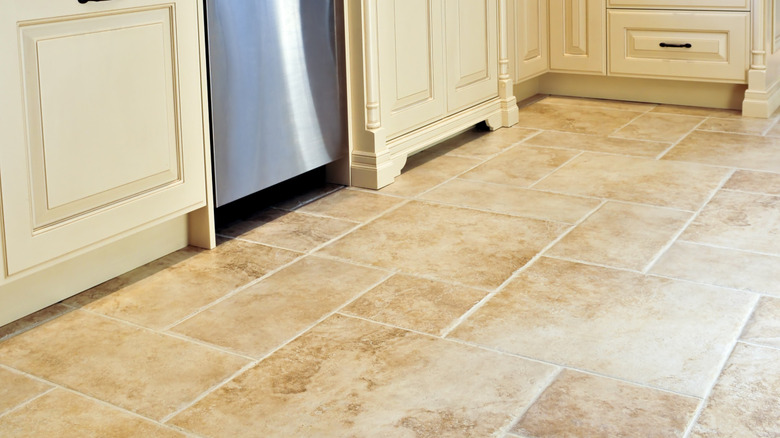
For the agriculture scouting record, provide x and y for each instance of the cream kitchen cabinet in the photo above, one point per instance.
(577, 36)
(530, 38)
(420, 71)
(104, 141)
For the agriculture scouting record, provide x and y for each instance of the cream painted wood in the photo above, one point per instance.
(104, 128)
(717, 51)
(577, 36)
(531, 39)
(410, 46)
(471, 30)
(737, 5)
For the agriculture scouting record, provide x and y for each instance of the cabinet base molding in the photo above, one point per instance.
(23, 296)
(760, 103)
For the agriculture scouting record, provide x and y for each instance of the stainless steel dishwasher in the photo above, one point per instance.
(277, 86)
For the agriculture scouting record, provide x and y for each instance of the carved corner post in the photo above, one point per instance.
(761, 88)
(509, 110)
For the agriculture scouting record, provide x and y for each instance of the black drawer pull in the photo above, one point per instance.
(85, 1)
(682, 46)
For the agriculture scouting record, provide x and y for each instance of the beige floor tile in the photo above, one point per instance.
(737, 125)
(63, 414)
(349, 377)
(448, 243)
(427, 170)
(733, 150)
(162, 292)
(32, 320)
(16, 388)
(598, 143)
(513, 200)
(415, 303)
(669, 334)
(582, 405)
(288, 229)
(764, 327)
(353, 205)
(589, 120)
(759, 182)
(697, 111)
(775, 131)
(664, 183)
(721, 267)
(659, 127)
(622, 235)
(136, 369)
(744, 402)
(267, 314)
(739, 220)
(302, 199)
(479, 143)
(536, 164)
(599, 103)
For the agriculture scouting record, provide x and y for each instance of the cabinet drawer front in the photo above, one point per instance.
(726, 5)
(705, 46)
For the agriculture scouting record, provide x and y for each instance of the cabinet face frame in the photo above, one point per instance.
(721, 5)
(578, 36)
(531, 42)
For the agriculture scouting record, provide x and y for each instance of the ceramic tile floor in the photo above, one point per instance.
(603, 269)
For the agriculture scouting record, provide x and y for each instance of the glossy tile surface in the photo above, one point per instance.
(722, 149)
(764, 326)
(597, 143)
(419, 238)
(583, 405)
(350, 204)
(642, 329)
(349, 377)
(659, 127)
(16, 388)
(759, 182)
(424, 171)
(536, 164)
(600, 238)
(737, 125)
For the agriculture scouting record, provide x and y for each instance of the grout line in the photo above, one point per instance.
(244, 239)
(769, 128)
(719, 286)
(346, 314)
(747, 192)
(712, 245)
(629, 122)
(595, 151)
(552, 378)
(309, 201)
(514, 275)
(683, 137)
(25, 403)
(18, 332)
(319, 215)
(485, 210)
(753, 344)
(729, 352)
(589, 263)
(557, 169)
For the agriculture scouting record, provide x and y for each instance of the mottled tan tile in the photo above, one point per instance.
(448, 243)
(598, 103)
(480, 143)
(302, 199)
(16, 388)
(775, 131)
(427, 170)
(742, 125)
(520, 166)
(32, 320)
(353, 205)
(738, 220)
(168, 289)
(744, 402)
(663, 183)
(288, 229)
(588, 120)
(733, 150)
(764, 326)
(349, 377)
(598, 143)
(759, 182)
(665, 333)
(513, 200)
(697, 111)
(415, 303)
(267, 314)
(63, 414)
(659, 127)
(622, 235)
(721, 267)
(136, 369)
(582, 405)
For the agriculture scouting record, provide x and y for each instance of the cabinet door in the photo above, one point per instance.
(531, 49)
(102, 122)
(411, 63)
(471, 28)
(577, 36)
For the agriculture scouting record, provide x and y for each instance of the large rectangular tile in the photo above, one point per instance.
(480, 143)
(744, 402)
(598, 103)
(168, 289)
(659, 127)
(668, 334)
(764, 326)
(136, 369)
(267, 314)
(453, 244)
(742, 125)
(663, 183)
(583, 405)
(570, 118)
(759, 182)
(732, 150)
(513, 200)
(16, 388)
(520, 166)
(738, 220)
(622, 235)
(427, 170)
(599, 143)
(697, 111)
(350, 204)
(349, 377)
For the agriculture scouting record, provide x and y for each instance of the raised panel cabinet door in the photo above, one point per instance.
(531, 42)
(102, 122)
(410, 48)
(471, 28)
(578, 36)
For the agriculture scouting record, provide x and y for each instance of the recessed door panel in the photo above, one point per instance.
(530, 39)
(577, 36)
